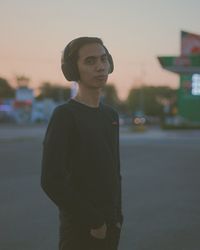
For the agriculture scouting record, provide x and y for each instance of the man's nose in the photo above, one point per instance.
(100, 65)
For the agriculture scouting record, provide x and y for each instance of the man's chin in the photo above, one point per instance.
(99, 84)
(96, 84)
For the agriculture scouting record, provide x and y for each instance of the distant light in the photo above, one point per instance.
(74, 89)
(196, 84)
(139, 120)
(5, 108)
(143, 120)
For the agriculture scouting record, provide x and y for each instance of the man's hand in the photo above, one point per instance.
(99, 233)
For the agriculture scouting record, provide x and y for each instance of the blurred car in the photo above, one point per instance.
(124, 120)
(139, 118)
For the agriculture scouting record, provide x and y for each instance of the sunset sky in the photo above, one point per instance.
(34, 33)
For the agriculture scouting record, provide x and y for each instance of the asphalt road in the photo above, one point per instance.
(161, 184)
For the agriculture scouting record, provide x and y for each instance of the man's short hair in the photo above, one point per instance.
(71, 53)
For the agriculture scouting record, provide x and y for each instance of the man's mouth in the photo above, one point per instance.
(101, 77)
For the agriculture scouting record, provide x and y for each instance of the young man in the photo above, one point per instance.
(81, 163)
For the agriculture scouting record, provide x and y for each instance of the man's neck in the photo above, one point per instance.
(90, 97)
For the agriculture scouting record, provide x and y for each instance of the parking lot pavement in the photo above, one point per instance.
(160, 177)
(20, 132)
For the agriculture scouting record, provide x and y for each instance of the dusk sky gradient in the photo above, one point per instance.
(34, 33)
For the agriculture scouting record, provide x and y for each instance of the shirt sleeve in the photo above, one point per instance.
(56, 177)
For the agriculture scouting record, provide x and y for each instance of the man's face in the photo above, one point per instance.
(93, 65)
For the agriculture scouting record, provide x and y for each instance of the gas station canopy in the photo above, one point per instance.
(181, 64)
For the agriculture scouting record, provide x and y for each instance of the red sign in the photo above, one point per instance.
(190, 44)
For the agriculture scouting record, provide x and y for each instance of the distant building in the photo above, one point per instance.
(42, 110)
(187, 65)
(23, 104)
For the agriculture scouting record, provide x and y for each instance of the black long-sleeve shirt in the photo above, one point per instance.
(81, 163)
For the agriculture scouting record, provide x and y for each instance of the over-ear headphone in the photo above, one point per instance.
(70, 57)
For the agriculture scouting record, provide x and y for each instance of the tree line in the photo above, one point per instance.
(151, 100)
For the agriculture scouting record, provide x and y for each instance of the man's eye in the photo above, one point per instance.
(90, 61)
(104, 59)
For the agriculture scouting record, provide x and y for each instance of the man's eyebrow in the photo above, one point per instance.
(94, 57)
(90, 57)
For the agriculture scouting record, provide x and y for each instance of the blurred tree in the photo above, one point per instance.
(53, 91)
(6, 91)
(123, 108)
(22, 81)
(150, 100)
(110, 96)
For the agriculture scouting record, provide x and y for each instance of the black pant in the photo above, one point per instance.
(78, 237)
